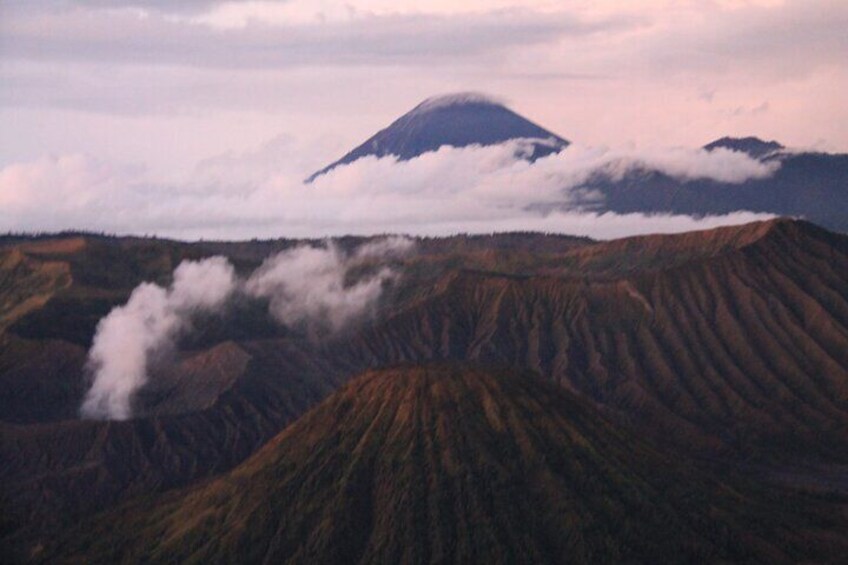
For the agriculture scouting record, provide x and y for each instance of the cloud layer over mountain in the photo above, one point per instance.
(261, 194)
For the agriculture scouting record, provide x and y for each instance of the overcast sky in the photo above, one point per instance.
(144, 94)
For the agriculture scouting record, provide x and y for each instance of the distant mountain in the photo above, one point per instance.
(807, 185)
(451, 463)
(753, 146)
(455, 120)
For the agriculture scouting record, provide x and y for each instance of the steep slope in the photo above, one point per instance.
(40, 379)
(728, 343)
(54, 473)
(456, 120)
(236, 382)
(451, 464)
(26, 284)
(733, 339)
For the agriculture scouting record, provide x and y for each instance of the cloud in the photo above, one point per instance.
(150, 322)
(605, 225)
(387, 247)
(308, 284)
(162, 5)
(76, 180)
(305, 285)
(601, 72)
(778, 40)
(56, 192)
(252, 35)
(721, 164)
(474, 186)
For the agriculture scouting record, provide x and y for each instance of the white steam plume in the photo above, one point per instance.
(304, 285)
(150, 321)
(307, 284)
(389, 247)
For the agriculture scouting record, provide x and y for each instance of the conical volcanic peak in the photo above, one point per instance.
(455, 120)
(444, 463)
(753, 146)
(455, 99)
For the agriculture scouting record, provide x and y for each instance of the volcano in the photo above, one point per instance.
(447, 463)
(726, 347)
(454, 120)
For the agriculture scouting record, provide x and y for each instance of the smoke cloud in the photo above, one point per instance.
(149, 322)
(303, 285)
(390, 247)
(307, 284)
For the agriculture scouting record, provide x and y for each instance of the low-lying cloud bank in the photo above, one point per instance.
(471, 189)
(304, 285)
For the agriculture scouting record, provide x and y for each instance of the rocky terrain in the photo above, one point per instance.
(707, 366)
(454, 463)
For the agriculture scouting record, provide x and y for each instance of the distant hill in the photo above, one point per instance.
(811, 186)
(753, 146)
(455, 120)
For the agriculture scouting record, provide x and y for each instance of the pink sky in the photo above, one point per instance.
(164, 86)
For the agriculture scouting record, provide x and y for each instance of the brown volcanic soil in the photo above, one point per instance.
(456, 464)
(738, 343)
(730, 344)
(26, 284)
(52, 473)
(40, 377)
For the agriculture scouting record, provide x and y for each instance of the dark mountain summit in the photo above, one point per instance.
(753, 146)
(456, 120)
(808, 185)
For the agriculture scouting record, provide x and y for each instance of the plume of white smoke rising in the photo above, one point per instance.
(303, 285)
(308, 284)
(150, 321)
(389, 247)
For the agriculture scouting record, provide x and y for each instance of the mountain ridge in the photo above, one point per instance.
(728, 344)
(687, 344)
(753, 146)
